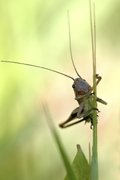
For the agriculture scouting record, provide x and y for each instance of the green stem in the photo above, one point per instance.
(94, 165)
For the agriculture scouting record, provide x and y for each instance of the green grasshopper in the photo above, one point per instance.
(83, 94)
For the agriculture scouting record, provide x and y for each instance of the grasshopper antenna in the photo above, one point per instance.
(70, 45)
(39, 67)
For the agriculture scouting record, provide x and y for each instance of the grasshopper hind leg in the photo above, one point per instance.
(63, 125)
(71, 124)
(86, 116)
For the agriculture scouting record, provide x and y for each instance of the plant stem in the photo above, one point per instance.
(94, 165)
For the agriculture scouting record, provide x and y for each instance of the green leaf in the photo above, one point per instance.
(80, 166)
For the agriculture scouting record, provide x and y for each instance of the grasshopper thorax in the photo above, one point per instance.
(81, 87)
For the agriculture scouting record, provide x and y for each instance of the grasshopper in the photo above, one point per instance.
(83, 93)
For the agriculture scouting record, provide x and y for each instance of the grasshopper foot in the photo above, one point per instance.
(91, 126)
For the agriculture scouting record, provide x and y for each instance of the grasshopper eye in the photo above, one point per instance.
(73, 86)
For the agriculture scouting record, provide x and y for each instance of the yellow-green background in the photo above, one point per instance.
(36, 32)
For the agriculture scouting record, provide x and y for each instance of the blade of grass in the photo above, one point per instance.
(69, 170)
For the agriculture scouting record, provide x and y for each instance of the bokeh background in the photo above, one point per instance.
(36, 32)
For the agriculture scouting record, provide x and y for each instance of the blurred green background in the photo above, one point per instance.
(36, 32)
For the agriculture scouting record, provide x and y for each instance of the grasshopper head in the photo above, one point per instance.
(81, 87)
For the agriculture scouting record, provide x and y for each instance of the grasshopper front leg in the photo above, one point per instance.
(99, 99)
(81, 108)
(82, 96)
(98, 80)
(86, 113)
